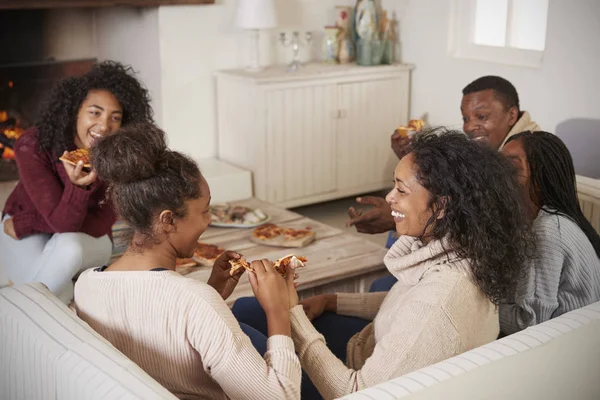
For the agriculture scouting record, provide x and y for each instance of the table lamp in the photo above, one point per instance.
(254, 15)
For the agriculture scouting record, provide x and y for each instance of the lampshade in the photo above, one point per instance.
(256, 14)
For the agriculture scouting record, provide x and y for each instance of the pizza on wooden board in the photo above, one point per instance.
(73, 157)
(274, 235)
(206, 254)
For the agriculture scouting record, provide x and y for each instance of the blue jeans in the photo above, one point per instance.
(383, 284)
(336, 329)
(259, 341)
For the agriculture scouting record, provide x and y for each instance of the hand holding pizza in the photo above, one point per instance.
(269, 287)
(220, 278)
(400, 144)
(77, 175)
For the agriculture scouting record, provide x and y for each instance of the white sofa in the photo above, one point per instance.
(46, 352)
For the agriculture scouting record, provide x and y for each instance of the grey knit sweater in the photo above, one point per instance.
(564, 278)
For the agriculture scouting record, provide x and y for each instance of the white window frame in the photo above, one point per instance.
(461, 41)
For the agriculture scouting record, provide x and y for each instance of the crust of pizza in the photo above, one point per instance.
(73, 157)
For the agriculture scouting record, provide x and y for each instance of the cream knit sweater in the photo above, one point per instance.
(181, 332)
(434, 311)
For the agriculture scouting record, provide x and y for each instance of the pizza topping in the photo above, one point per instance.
(236, 265)
(267, 231)
(270, 231)
(290, 261)
(291, 234)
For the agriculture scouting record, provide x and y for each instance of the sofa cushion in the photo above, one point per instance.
(47, 352)
(557, 359)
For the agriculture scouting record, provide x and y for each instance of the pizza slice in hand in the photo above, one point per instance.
(414, 125)
(290, 261)
(73, 157)
(236, 265)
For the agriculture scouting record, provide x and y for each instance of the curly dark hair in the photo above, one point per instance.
(553, 187)
(144, 177)
(504, 91)
(484, 211)
(57, 119)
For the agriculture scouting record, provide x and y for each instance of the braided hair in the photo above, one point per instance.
(553, 178)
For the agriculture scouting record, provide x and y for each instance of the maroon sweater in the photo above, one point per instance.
(45, 200)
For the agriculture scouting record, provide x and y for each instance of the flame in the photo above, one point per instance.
(12, 133)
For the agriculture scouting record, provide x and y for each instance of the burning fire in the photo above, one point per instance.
(11, 132)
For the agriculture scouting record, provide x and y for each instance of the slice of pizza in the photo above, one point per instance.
(289, 261)
(73, 157)
(206, 254)
(414, 125)
(236, 265)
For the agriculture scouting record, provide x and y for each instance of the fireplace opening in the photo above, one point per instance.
(28, 71)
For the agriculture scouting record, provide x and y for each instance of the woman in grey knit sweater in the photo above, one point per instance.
(566, 275)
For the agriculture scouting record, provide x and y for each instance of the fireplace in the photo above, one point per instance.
(27, 73)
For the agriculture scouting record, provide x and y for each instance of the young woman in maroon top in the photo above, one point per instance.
(54, 223)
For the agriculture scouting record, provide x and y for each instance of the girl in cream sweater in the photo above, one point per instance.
(179, 330)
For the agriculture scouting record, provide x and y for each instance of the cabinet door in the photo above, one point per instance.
(369, 113)
(300, 142)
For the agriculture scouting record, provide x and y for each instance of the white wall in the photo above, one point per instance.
(566, 86)
(131, 36)
(69, 34)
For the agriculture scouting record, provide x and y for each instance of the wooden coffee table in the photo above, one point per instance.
(337, 261)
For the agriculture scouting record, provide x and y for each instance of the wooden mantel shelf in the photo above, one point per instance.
(31, 4)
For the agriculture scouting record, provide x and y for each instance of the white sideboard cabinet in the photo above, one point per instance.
(314, 135)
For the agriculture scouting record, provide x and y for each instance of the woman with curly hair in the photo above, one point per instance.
(566, 275)
(54, 222)
(463, 238)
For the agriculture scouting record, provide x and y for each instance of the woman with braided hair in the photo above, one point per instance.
(54, 223)
(566, 275)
